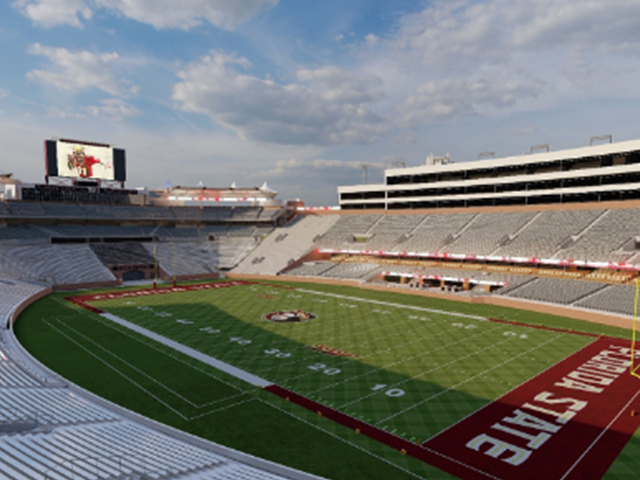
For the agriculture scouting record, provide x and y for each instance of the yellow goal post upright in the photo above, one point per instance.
(635, 365)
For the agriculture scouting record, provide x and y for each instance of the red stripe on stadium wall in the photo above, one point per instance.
(568, 423)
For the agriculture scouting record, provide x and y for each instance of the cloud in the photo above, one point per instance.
(3, 93)
(81, 70)
(185, 14)
(462, 34)
(113, 108)
(443, 100)
(328, 105)
(48, 13)
(294, 166)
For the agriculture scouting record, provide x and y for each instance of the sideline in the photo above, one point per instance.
(214, 362)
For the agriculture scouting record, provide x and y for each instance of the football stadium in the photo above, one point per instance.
(471, 321)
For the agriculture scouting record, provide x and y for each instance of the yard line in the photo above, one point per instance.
(398, 305)
(384, 367)
(214, 362)
(467, 380)
(154, 380)
(438, 367)
(346, 360)
(593, 444)
(158, 399)
(333, 435)
(127, 333)
(111, 367)
(506, 393)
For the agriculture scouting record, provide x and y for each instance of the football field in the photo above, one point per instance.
(410, 371)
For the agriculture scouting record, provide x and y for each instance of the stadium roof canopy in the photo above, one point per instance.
(217, 194)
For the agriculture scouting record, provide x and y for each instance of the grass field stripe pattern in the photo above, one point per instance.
(140, 339)
(327, 432)
(150, 377)
(397, 443)
(443, 347)
(507, 393)
(126, 332)
(111, 367)
(414, 375)
(435, 369)
(466, 381)
(214, 362)
(397, 305)
(374, 370)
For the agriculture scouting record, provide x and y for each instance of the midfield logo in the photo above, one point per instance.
(290, 316)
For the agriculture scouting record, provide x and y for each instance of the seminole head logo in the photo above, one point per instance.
(81, 162)
(289, 316)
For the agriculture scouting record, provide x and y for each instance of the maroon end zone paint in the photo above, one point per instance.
(568, 423)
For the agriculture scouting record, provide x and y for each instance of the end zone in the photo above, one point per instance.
(569, 422)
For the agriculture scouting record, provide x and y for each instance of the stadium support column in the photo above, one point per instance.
(155, 266)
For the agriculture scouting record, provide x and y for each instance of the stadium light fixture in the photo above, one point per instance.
(539, 148)
(600, 138)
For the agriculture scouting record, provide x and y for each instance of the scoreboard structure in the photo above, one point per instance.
(84, 163)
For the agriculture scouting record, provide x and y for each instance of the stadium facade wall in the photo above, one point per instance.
(79, 286)
(539, 307)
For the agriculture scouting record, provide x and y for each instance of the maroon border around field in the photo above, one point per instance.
(543, 327)
(81, 300)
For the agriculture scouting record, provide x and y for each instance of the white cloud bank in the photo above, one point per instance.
(185, 14)
(328, 105)
(82, 70)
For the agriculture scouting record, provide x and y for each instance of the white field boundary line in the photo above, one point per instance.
(468, 379)
(384, 367)
(111, 367)
(313, 355)
(138, 339)
(507, 393)
(146, 375)
(155, 397)
(595, 442)
(214, 362)
(431, 370)
(343, 440)
(455, 460)
(396, 305)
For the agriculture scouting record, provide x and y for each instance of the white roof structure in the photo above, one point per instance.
(595, 173)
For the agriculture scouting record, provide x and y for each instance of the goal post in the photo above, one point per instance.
(635, 365)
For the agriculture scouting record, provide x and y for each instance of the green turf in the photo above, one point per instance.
(416, 371)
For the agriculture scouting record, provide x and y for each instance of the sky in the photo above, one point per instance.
(303, 93)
